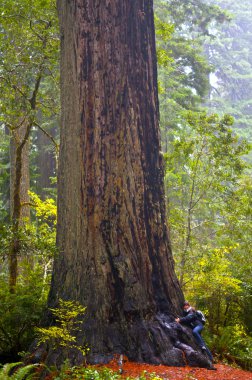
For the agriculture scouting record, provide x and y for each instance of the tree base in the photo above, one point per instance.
(159, 340)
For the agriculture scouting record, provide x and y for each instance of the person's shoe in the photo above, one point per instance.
(212, 368)
(203, 349)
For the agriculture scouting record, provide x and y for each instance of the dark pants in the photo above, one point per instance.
(197, 335)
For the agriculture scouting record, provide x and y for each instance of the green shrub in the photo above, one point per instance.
(21, 311)
(233, 344)
(67, 324)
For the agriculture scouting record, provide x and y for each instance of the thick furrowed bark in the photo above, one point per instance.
(114, 253)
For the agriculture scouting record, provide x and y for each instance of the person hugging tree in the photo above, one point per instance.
(193, 319)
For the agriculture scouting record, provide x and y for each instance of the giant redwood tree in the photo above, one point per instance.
(114, 252)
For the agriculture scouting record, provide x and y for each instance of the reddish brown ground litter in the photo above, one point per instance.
(223, 372)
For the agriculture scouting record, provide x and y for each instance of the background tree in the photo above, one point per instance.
(4, 175)
(229, 51)
(181, 30)
(28, 55)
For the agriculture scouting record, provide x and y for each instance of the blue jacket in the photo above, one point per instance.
(190, 319)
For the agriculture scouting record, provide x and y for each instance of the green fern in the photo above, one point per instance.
(20, 374)
(5, 370)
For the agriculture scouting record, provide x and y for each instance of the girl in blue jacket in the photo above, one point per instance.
(191, 319)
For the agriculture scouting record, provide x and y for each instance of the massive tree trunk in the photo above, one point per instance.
(114, 252)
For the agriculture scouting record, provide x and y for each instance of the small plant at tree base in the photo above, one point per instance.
(148, 376)
(68, 323)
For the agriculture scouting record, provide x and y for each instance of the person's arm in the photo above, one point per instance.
(188, 319)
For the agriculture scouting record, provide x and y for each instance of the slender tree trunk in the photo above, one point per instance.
(114, 252)
(19, 198)
(46, 162)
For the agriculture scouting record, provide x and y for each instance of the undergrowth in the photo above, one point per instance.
(88, 373)
(16, 371)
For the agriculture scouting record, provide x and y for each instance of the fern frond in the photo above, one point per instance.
(22, 372)
(5, 370)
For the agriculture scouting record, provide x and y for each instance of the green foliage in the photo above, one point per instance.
(29, 46)
(21, 311)
(44, 227)
(148, 376)
(9, 371)
(164, 33)
(37, 238)
(29, 74)
(67, 324)
(216, 288)
(203, 166)
(209, 196)
(238, 234)
(46, 211)
(89, 373)
(234, 344)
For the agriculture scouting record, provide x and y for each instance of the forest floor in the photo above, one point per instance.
(223, 372)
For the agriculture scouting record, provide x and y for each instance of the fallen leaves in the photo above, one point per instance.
(223, 372)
